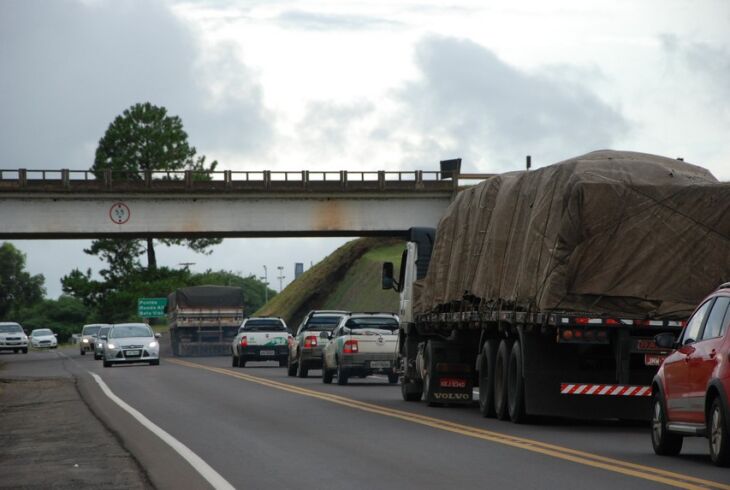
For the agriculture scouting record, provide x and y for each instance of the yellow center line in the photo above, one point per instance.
(589, 459)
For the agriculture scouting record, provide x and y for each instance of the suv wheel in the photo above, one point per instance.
(664, 442)
(718, 434)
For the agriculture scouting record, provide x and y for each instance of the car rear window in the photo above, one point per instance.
(271, 325)
(323, 322)
(382, 323)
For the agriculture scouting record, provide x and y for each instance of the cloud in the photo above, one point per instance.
(68, 68)
(327, 127)
(469, 103)
(311, 21)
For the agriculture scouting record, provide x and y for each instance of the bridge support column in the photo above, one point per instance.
(148, 178)
(22, 177)
(419, 179)
(65, 178)
(381, 180)
(227, 178)
(267, 179)
(108, 178)
(343, 179)
(188, 179)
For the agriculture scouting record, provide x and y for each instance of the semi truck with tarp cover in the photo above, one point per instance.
(204, 320)
(544, 289)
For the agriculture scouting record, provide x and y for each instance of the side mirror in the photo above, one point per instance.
(55, 335)
(157, 335)
(665, 340)
(104, 337)
(387, 281)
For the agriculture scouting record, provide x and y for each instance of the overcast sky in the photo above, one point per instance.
(286, 85)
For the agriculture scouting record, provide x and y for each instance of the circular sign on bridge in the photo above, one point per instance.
(119, 213)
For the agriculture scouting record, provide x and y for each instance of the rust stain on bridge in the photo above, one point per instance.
(330, 215)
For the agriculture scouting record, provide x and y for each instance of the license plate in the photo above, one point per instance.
(379, 364)
(653, 359)
(133, 353)
(267, 352)
(452, 383)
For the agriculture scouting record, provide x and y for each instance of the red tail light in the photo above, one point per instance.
(310, 341)
(244, 341)
(350, 347)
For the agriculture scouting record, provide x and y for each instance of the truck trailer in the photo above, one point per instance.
(204, 319)
(544, 289)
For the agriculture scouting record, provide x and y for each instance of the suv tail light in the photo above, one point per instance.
(350, 347)
(310, 341)
(244, 341)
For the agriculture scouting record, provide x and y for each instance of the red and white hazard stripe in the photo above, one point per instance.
(604, 390)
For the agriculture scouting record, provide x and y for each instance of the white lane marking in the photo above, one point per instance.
(212, 476)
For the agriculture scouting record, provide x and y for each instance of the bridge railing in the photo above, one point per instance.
(230, 180)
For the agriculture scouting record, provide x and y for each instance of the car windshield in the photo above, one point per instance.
(372, 323)
(322, 322)
(90, 330)
(10, 329)
(263, 325)
(41, 332)
(125, 331)
(103, 331)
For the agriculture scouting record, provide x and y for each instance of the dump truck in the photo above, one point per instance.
(204, 320)
(541, 291)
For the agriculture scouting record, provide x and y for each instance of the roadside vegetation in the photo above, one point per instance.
(348, 279)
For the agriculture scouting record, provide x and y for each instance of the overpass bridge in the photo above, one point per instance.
(52, 204)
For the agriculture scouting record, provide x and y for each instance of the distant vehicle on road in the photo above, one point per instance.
(305, 350)
(692, 385)
(43, 337)
(260, 339)
(88, 337)
(362, 344)
(131, 342)
(12, 337)
(100, 341)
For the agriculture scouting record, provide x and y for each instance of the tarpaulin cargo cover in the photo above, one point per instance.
(206, 297)
(620, 233)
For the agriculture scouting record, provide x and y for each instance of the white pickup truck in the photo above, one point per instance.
(260, 339)
(362, 344)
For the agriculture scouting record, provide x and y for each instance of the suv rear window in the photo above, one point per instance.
(322, 322)
(269, 325)
(93, 330)
(384, 323)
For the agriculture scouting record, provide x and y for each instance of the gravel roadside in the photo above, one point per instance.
(50, 439)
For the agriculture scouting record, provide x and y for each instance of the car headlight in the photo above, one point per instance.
(153, 343)
(85, 341)
(111, 346)
(99, 344)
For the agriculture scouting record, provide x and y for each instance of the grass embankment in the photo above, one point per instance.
(348, 279)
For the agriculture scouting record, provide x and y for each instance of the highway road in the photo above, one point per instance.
(255, 427)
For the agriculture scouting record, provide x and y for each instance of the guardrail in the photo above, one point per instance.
(264, 180)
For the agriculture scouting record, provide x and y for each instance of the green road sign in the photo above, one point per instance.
(151, 307)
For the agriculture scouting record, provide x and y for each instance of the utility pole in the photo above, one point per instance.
(281, 277)
(265, 279)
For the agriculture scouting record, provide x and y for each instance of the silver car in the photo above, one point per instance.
(131, 342)
(100, 341)
(12, 337)
(305, 350)
(88, 337)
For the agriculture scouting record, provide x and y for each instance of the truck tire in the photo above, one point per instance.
(428, 360)
(342, 375)
(501, 364)
(302, 369)
(410, 389)
(241, 362)
(291, 369)
(664, 442)
(486, 377)
(516, 385)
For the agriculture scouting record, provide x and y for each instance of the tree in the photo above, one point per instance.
(17, 287)
(144, 137)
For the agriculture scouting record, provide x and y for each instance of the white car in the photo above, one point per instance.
(361, 345)
(131, 342)
(12, 337)
(260, 339)
(43, 337)
(88, 337)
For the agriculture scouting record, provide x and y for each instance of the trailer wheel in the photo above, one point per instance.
(411, 390)
(516, 385)
(500, 379)
(486, 377)
(342, 375)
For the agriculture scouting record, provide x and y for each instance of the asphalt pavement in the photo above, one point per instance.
(255, 427)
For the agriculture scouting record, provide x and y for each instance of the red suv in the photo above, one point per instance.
(692, 386)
